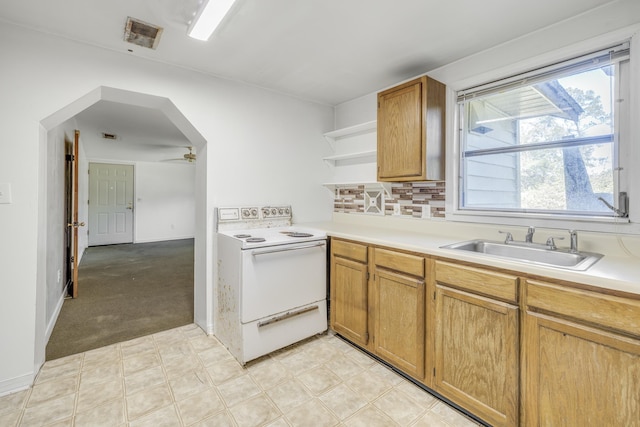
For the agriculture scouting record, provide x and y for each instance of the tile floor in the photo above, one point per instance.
(183, 377)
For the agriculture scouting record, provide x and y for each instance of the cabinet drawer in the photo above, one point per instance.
(497, 285)
(349, 250)
(612, 312)
(399, 261)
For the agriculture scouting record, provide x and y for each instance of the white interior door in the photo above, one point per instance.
(110, 204)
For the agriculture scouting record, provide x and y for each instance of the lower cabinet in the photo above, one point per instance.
(349, 291)
(509, 349)
(476, 342)
(581, 360)
(399, 310)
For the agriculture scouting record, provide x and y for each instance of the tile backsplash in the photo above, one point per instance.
(414, 199)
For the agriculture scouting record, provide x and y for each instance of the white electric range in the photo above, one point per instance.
(272, 283)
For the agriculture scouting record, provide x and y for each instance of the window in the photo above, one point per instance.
(546, 141)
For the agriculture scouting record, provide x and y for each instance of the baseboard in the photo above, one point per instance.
(16, 384)
(80, 253)
(163, 239)
(206, 327)
(54, 318)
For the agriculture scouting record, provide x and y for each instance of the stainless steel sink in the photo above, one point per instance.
(530, 253)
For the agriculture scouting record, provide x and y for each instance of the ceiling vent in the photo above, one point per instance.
(141, 33)
(109, 135)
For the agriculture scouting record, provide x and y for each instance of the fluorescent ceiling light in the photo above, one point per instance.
(211, 13)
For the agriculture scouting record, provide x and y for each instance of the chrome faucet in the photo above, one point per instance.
(509, 237)
(573, 234)
(529, 237)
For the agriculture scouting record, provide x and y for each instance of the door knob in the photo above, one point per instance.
(75, 224)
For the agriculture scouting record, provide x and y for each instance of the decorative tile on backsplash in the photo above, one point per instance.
(349, 199)
(415, 199)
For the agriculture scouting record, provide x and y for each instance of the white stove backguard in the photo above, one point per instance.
(248, 217)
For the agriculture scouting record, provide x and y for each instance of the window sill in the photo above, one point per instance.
(596, 224)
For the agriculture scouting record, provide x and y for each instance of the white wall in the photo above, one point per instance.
(262, 148)
(164, 201)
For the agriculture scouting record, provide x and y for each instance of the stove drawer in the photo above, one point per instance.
(264, 336)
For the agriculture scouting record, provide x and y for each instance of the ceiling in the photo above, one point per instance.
(328, 51)
(325, 51)
(141, 133)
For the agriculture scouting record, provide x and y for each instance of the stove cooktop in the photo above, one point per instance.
(260, 237)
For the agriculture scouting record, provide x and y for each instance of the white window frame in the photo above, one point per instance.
(629, 134)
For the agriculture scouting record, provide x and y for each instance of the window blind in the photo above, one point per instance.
(601, 58)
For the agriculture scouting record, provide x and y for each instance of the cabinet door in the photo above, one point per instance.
(476, 354)
(349, 299)
(401, 139)
(579, 376)
(399, 321)
(411, 131)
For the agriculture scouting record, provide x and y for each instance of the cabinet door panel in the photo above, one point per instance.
(349, 300)
(476, 353)
(400, 133)
(399, 321)
(576, 375)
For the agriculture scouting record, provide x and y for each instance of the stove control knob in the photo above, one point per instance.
(245, 213)
(273, 211)
(280, 211)
(254, 212)
(265, 212)
(287, 211)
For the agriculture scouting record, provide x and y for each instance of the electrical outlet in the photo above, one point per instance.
(396, 209)
(426, 211)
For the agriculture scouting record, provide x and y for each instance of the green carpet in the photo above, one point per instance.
(124, 292)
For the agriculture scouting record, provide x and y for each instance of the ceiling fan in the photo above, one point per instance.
(189, 157)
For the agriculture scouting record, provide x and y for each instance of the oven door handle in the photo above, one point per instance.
(287, 315)
(286, 249)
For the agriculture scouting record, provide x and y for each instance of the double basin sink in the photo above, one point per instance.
(530, 253)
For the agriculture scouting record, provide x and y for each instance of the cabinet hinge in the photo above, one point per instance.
(69, 157)
(434, 295)
(434, 372)
(368, 275)
(366, 337)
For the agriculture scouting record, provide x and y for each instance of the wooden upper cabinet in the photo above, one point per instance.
(411, 131)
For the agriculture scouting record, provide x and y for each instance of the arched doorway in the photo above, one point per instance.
(167, 109)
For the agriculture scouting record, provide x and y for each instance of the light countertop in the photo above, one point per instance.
(612, 272)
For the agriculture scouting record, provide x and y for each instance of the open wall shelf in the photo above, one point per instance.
(366, 156)
(337, 134)
(359, 157)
